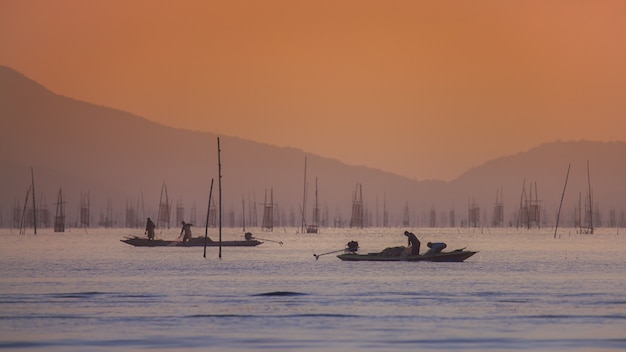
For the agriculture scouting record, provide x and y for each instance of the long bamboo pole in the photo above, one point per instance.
(206, 226)
(521, 198)
(590, 201)
(32, 174)
(558, 214)
(22, 221)
(219, 168)
(243, 213)
(303, 226)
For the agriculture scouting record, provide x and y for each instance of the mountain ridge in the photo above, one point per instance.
(116, 156)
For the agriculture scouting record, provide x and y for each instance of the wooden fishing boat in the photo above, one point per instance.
(194, 242)
(457, 255)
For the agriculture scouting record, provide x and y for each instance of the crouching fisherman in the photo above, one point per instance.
(435, 248)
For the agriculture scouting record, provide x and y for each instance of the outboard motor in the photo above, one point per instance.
(352, 246)
(248, 236)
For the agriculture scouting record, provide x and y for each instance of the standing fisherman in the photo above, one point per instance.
(187, 230)
(150, 226)
(413, 242)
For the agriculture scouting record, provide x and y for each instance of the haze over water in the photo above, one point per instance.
(86, 290)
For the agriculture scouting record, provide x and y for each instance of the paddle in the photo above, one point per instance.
(263, 239)
(351, 246)
(317, 256)
(248, 236)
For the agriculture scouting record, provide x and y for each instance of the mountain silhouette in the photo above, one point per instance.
(116, 157)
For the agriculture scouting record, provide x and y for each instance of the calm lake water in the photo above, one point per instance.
(525, 290)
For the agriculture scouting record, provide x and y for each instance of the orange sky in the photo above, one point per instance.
(424, 89)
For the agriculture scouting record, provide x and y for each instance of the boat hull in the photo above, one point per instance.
(454, 256)
(194, 242)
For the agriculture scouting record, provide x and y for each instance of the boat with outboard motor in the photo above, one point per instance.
(401, 254)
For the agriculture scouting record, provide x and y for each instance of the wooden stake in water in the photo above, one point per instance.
(23, 220)
(590, 202)
(206, 227)
(32, 174)
(562, 196)
(219, 171)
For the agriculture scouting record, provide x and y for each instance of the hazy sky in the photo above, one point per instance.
(424, 89)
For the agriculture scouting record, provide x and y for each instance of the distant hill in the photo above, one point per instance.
(120, 155)
(116, 156)
(545, 167)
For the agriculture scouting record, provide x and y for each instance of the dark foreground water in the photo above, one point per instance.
(525, 290)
